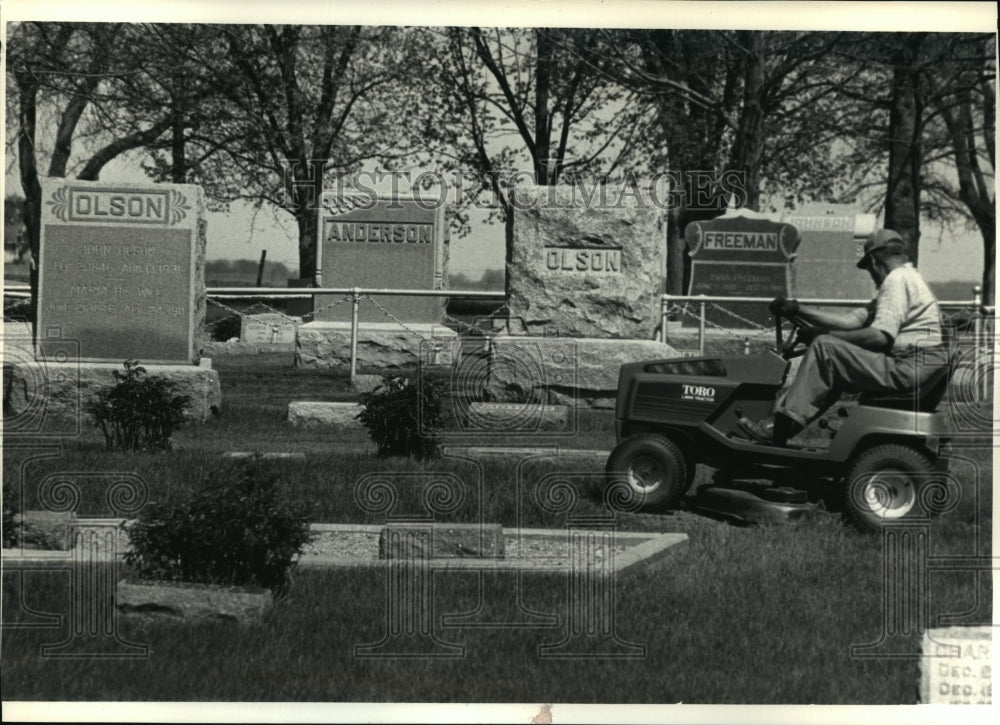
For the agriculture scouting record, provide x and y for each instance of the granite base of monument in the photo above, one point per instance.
(57, 393)
(381, 346)
(565, 371)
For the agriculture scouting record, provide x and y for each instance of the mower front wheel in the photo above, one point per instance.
(885, 483)
(653, 468)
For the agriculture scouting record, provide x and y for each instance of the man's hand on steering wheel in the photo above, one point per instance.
(784, 308)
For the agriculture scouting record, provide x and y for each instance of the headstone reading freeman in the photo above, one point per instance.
(117, 269)
(741, 254)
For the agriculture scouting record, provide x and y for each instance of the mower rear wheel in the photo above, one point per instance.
(653, 468)
(885, 483)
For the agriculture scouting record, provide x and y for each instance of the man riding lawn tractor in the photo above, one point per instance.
(673, 414)
(869, 349)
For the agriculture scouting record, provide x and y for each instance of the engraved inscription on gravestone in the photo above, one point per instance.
(741, 254)
(382, 243)
(117, 269)
(957, 666)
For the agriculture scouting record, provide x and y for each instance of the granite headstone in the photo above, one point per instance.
(121, 269)
(584, 271)
(382, 243)
(740, 254)
(832, 239)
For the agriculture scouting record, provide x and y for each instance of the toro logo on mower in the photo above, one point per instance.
(697, 392)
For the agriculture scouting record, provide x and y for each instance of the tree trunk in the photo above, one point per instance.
(546, 170)
(306, 218)
(178, 169)
(989, 264)
(902, 204)
(30, 185)
(748, 146)
(675, 253)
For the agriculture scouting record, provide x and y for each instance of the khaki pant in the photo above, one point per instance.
(832, 366)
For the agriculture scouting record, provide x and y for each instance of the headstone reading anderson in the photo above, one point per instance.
(741, 254)
(385, 243)
(118, 268)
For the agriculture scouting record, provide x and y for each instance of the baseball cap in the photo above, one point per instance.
(878, 240)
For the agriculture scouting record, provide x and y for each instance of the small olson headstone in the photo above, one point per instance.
(268, 328)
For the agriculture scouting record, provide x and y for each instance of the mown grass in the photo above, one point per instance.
(738, 615)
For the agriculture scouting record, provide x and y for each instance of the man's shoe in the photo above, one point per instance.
(774, 431)
(761, 431)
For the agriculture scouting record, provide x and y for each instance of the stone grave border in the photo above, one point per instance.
(649, 550)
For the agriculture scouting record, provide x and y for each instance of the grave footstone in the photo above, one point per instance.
(268, 328)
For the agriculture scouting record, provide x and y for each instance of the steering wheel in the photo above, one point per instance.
(790, 347)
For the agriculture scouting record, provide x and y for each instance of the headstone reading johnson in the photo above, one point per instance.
(382, 243)
(832, 239)
(741, 254)
(121, 269)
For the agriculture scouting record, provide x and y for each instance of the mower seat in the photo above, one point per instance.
(923, 399)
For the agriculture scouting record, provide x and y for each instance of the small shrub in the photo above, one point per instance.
(396, 411)
(237, 528)
(226, 328)
(138, 413)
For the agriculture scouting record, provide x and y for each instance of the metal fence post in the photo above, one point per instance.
(701, 327)
(663, 320)
(355, 302)
(977, 304)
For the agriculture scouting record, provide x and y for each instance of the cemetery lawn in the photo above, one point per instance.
(737, 615)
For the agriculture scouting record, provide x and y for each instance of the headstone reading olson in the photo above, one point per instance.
(382, 243)
(584, 270)
(118, 269)
(585, 276)
(741, 254)
(268, 328)
(832, 239)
